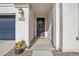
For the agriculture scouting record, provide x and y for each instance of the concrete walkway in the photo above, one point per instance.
(5, 46)
(42, 53)
(42, 47)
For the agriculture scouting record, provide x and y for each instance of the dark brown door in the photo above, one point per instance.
(40, 27)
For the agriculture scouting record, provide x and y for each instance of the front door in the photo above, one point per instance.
(40, 27)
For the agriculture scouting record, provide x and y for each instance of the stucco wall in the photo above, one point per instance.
(78, 21)
(31, 25)
(54, 25)
(61, 27)
(22, 27)
(70, 27)
(50, 21)
(7, 10)
(57, 26)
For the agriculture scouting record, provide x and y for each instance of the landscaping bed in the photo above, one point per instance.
(59, 53)
(25, 53)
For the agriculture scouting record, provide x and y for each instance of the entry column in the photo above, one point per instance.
(22, 22)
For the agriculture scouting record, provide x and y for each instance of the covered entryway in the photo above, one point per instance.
(42, 42)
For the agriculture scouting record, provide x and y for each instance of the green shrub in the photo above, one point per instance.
(20, 45)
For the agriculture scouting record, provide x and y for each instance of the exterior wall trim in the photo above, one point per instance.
(22, 5)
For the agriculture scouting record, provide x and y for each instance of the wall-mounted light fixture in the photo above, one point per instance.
(21, 11)
(22, 14)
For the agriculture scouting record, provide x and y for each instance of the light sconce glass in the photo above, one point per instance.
(22, 14)
(21, 11)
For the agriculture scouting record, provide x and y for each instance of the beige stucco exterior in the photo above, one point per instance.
(61, 24)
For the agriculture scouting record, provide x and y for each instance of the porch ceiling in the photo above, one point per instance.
(41, 9)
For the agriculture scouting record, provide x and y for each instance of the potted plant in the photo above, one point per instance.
(20, 47)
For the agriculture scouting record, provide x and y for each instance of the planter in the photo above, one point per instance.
(19, 51)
